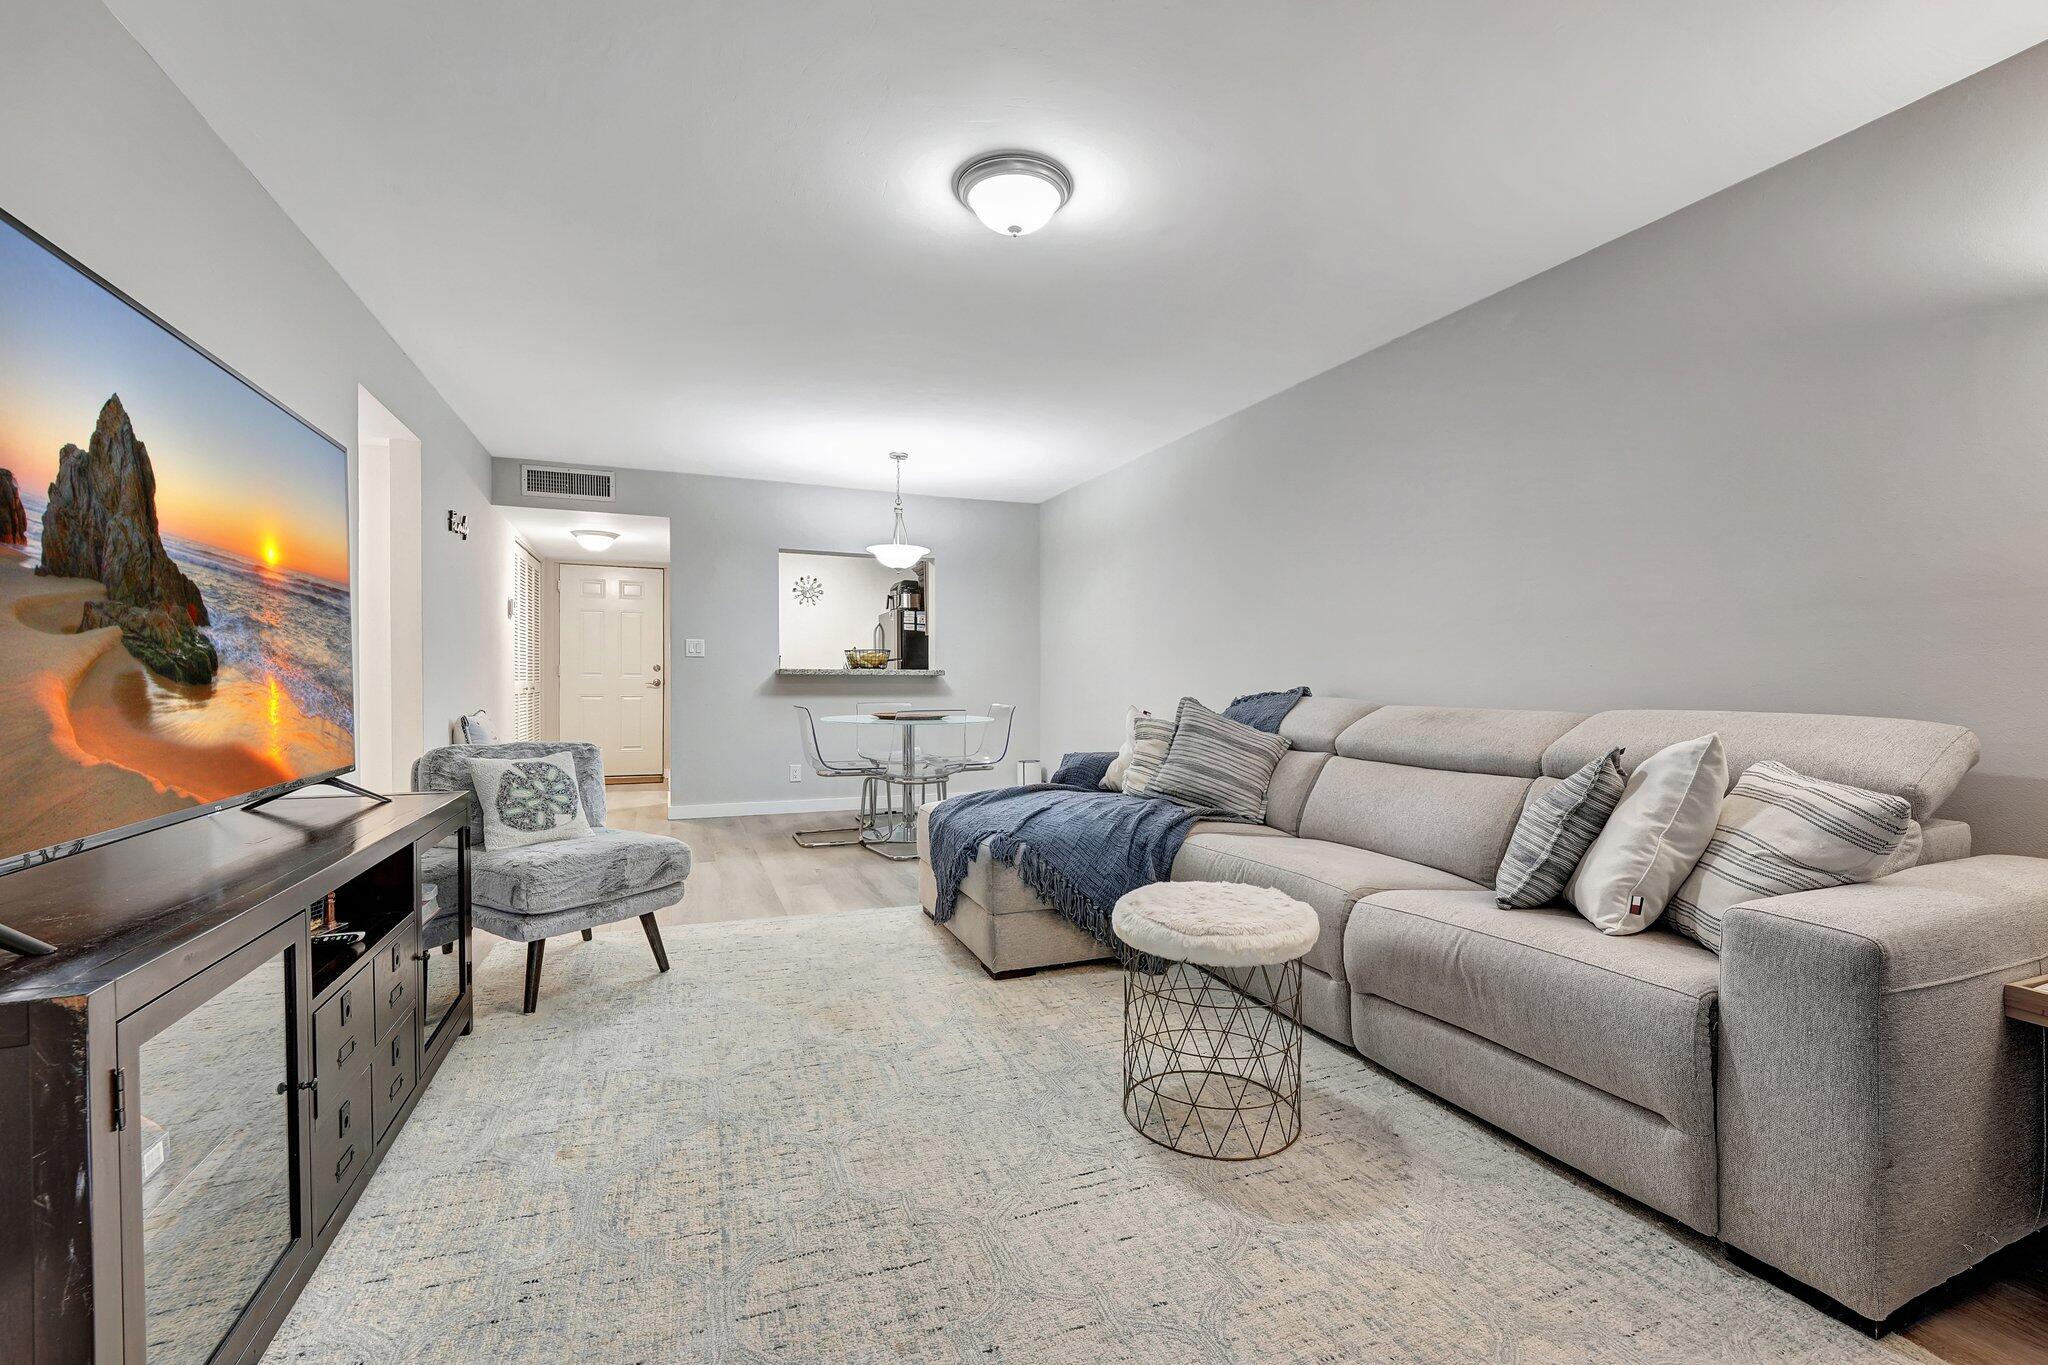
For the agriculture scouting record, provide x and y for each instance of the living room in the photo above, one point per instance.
(1436, 700)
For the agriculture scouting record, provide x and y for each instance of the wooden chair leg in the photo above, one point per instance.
(586, 936)
(534, 952)
(654, 940)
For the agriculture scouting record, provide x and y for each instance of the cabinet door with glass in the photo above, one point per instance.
(211, 1103)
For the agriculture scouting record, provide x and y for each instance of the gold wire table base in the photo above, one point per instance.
(1211, 1069)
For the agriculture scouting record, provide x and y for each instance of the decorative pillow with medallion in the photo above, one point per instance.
(528, 800)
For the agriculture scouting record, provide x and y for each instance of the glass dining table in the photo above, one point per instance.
(893, 833)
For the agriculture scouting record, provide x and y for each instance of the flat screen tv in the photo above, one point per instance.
(174, 572)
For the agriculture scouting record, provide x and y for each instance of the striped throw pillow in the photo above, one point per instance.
(1554, 833)
(1780, 832)
(1150, 736)
(1217, 764)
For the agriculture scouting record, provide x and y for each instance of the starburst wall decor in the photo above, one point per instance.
(808, 591)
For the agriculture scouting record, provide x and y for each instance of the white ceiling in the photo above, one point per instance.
(720, 237)
(546, 532)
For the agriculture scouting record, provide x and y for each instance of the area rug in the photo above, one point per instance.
(833, 1138)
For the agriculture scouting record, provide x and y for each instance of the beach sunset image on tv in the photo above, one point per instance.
(174, 609)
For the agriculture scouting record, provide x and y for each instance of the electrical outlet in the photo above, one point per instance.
(693, 649)
(796, 772)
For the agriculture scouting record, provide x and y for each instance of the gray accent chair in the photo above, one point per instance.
(529, 894)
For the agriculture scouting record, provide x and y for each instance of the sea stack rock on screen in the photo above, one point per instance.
(174, 572)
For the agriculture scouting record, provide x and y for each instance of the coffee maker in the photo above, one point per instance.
(905, 627)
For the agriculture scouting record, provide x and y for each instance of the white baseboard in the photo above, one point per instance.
(718, 809)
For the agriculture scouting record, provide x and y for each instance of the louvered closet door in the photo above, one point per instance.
(613, 689)
(525, 645)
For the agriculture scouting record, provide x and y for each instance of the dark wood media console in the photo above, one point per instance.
(195, 1088)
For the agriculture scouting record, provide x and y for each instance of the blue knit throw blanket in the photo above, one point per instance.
(1264, 710)
(1079, 850)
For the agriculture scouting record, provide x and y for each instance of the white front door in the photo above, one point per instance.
(614, 689)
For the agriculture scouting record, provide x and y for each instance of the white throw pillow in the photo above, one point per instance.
(1781, 831)
(1657, 832)
(1113, 776)
(528, 800)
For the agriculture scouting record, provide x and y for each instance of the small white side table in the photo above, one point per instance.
(1212, 1016)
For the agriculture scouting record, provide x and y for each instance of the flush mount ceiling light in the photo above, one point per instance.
(898, 553)
(1013, 192)
(594, 542)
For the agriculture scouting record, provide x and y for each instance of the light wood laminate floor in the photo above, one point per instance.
(748, 867)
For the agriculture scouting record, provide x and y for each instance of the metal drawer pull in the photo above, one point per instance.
(347, 1005)
(348, 1159)
(394, 1052)
(397, 989)
(348, 1050)
(343, 1130)
(397, 1084)
(286, 1087)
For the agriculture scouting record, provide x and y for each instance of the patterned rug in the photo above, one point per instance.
(834, 1139)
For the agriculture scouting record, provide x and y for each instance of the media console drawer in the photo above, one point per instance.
(342, 1028)
(393, 1070)
(343, 1123)
(397, 973)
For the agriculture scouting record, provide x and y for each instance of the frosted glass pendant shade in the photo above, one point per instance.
(897, 555)
(898, 552)
(1013, 192)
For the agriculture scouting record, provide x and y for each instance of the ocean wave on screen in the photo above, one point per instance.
(268, 623)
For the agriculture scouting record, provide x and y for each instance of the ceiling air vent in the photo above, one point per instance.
(589, 485)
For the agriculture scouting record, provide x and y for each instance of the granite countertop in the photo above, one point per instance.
(860, 672)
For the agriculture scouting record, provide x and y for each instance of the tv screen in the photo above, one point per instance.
(174, 570)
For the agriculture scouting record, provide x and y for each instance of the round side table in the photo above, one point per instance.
(1212, 1016)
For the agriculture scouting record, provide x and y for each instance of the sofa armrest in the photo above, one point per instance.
(1880, 1120)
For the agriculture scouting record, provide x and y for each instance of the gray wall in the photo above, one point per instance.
(732, 734)
(100, 153)
(1786, 449)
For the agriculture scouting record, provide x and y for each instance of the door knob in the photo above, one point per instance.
(655, 683)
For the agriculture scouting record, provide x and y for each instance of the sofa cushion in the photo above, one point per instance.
(1456, 821)
(1633, 1015)
(1468, 739)
(1315, 722)
(600, 866)
(1329, 878)
(1293, 780)
(1920, 760)
(1943, 841)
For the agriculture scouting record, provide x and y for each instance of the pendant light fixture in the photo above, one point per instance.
(1013, 192)
(898, 553)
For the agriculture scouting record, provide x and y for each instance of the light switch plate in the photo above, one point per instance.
(693, 649)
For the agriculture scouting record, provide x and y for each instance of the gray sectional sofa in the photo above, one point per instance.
(1837, 1094)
